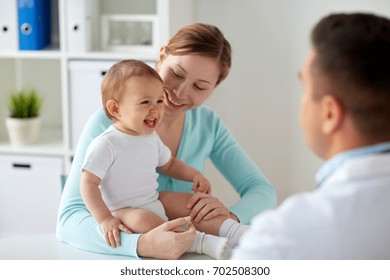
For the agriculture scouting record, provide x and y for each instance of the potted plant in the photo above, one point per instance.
(24, 122)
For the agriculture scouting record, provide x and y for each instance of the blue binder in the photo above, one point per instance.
(34, 22)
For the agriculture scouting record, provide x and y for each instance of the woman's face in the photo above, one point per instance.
(188, 81)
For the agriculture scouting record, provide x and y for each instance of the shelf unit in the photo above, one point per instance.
(47, 70)
(31, 176)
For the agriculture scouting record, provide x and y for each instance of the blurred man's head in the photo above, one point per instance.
(346, 80)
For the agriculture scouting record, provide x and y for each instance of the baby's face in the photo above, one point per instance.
(141, 107)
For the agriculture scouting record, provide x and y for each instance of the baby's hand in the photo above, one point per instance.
(111, 227)
(201, 184)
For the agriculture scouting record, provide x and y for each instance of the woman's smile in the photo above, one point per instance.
(172, 102)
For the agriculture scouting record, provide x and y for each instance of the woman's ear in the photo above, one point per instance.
(332, 114)
(163, 53)
(113, 108)
(161, 57)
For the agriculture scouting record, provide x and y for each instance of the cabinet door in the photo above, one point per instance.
(85, 93)
(30, 192)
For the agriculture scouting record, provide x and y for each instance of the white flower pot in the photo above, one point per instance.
(23, 131)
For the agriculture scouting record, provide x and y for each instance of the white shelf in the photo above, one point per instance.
(148, 56)
(56, 54)
(49, 144)
(44, 54)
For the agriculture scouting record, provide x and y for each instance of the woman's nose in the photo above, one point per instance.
(179, 90)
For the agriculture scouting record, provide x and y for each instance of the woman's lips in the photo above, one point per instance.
(172, 101)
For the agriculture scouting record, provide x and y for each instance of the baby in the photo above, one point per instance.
(119, 179)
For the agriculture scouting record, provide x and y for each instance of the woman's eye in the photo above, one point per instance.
(198, 87)
(176, 75)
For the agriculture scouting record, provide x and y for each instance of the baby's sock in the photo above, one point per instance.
(232, 230)
(211, 245)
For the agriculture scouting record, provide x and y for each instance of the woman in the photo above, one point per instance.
(193, 63)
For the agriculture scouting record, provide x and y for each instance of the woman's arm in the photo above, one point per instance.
(207, 137)
(75, 225)
(256, 193)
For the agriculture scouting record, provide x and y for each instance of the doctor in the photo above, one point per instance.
(345, 116)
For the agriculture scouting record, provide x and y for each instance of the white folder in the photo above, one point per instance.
(81, 24)
(8, 25)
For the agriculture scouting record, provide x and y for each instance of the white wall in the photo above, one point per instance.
(260, 99)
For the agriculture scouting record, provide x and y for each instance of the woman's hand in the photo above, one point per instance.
(205, 206)
(167, 241)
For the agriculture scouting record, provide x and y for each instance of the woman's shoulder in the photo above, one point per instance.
(100, 118)
(97, 123)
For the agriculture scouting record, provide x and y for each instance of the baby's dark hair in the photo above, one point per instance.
(353, 51)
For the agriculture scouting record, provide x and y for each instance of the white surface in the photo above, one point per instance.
(44, 247)
(48, 247)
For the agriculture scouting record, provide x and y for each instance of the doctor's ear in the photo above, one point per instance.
(333, 113)
(112, 107)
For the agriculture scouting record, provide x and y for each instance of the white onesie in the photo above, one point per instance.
(126, 165)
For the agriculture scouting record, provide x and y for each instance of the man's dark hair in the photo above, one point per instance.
(353, 51)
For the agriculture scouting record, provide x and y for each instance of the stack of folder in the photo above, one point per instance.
(34, 24)
(25, 24)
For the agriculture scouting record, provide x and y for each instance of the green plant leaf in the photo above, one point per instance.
(24, 104)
